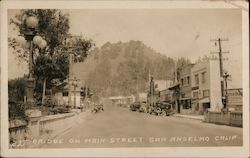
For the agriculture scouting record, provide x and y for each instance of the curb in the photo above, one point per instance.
(188, 117)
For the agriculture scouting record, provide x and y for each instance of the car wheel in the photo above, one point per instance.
(158, 111)
(164, 113)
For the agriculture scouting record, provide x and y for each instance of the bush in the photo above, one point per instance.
(16, 89)
(60, 110)
(17, 110)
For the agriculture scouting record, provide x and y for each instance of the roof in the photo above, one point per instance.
(204, 100)
(65, 87)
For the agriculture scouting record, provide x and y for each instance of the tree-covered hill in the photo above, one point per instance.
(124, 68)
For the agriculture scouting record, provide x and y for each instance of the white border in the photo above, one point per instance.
(114, 152)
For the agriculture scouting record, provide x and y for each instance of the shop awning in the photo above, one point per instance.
(174, 86)
(185, 98)
(204, 100)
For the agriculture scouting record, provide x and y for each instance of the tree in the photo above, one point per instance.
(51, 63)
(16, 90)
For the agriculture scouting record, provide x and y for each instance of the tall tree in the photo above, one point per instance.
(51, 63)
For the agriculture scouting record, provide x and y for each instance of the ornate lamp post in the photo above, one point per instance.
(29, 36)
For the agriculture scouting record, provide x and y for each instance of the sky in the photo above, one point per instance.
(173, 32)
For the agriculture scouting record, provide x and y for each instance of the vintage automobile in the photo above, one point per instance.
(143, 107)
(162, 108)
(97, 108)
(135, 106)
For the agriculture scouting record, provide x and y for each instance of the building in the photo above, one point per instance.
(158, 91)
(141, 97)
(62, 95)
(175, 96)
(166, 95)
(206, 83)
(122, 100)
(235, 99)
(162, 84)
(184, 77)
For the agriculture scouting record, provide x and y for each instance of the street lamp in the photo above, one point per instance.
(29, 36)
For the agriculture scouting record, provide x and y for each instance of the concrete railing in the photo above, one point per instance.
(228, 118)
(54, 123)
(17, 130)
(38, 127)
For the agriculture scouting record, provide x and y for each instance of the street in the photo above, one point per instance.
(120, 127)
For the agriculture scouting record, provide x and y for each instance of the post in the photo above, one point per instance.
(30, 80)
(219, 40)
(74, 96)
(175, 71)
(69, 89)
(221, 68)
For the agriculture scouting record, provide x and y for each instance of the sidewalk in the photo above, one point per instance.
(195, 117)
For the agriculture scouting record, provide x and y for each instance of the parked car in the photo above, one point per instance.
(143, 107)
(97, 108)
(135, 106)
(162, 108)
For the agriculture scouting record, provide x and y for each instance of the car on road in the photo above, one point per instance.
(135, 106)
(162, 108)
(143, 107)
(97, 108)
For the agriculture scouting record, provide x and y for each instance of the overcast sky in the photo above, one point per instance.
(173, 32)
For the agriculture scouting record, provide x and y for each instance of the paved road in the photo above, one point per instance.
(119, 127)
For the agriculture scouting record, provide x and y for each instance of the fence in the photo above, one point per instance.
(229, 118)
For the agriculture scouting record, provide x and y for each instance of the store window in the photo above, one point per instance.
(186, 104)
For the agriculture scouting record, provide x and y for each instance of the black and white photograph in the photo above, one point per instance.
(125, 76)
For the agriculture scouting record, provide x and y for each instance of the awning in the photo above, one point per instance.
(173, 86)
(185, 98)
(204, 100)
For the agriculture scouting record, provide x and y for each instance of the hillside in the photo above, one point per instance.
(123, 68)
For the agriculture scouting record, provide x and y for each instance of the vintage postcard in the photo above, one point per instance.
(124, 78)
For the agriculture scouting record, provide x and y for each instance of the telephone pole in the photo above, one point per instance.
(219, 40)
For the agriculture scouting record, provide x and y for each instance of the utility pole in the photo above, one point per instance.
(175, 71)
(69, 79)
(219, 40)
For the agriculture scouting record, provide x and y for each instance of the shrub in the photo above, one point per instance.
(17, 110)
(60, 110)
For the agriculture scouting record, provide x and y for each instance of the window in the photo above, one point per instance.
(195, 95)
(205, 93)
(203, 76)
(183, 95)
(182, 82)
(82, 94)
(186, 104)
(65, 94)
(196, 77)
(188, 80)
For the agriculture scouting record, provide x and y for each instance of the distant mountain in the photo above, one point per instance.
(123, 68)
